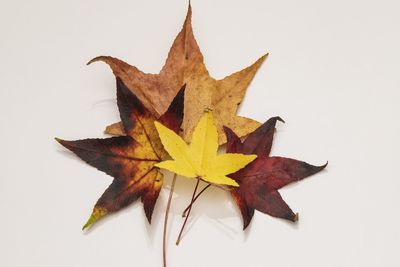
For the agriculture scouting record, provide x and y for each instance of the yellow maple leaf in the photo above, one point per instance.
(200, 158)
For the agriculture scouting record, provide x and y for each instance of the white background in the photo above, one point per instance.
(332, 74)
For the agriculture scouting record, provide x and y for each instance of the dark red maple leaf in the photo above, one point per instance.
(260, 180)
(130, 159)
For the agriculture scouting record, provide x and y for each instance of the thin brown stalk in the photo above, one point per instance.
(190, 208)
(166, 221)
(194, 200)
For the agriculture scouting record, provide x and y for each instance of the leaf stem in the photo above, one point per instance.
(166, 221)
(194, 200)
(190, 208)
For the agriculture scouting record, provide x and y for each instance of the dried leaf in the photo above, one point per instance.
(200, 158)
(260, 180)
(129, 159)
(185, 65)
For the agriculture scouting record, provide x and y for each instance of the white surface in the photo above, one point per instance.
(332, 74)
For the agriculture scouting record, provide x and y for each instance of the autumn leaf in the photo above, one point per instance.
(185, 65)
(200, 158)
(129, 159)
(260, 180)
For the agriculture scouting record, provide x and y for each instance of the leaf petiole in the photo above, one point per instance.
(166, 221)
(188, 213)
(194, 200)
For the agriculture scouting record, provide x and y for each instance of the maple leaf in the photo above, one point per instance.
(200, 158)
(185, 65)
(260, 180)
(129, 159)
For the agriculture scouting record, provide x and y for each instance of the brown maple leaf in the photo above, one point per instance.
(129, 159)
(185, 65)
(260, 180)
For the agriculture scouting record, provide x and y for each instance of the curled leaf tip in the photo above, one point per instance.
(91, 61)
(279, 119)
(322, 167)
(96, 215)
(95, 60)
